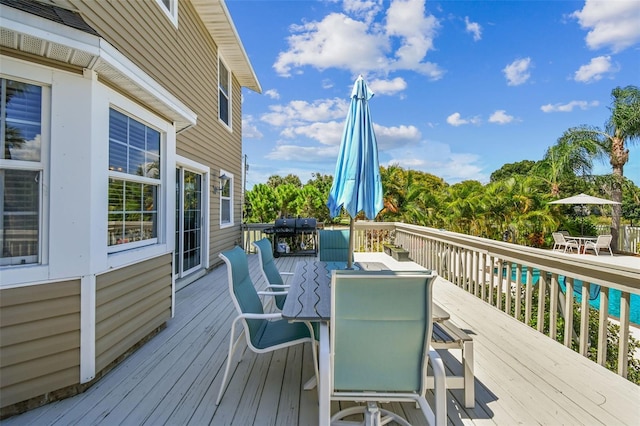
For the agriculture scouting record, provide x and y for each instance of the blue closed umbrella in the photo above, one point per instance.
(356, 182)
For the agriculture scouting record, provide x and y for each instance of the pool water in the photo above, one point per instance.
(594, 294)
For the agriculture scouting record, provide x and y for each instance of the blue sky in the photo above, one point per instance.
(461, 87)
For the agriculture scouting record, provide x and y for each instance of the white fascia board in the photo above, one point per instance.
(111, 57)
(45, 29)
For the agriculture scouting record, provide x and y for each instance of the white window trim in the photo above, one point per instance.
(131, 253)
(229, 126)
(194, 166)
(172, 12)
(160, 183)
(231, 217)
(45, 82)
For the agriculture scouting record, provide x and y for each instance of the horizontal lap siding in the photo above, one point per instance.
(185, 62)
(39, 340)
(131, 303)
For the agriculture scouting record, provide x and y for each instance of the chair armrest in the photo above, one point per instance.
(273, 293)
(440, 387)
(286, 273)
(275, 315)
(278, 286)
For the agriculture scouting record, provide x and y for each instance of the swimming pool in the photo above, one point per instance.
(594, 294)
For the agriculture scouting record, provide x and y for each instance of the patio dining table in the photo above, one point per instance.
(582, 242)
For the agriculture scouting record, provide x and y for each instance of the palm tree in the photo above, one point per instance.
(569, 157)
(622, 127)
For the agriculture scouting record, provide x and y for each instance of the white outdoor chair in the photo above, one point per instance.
(378, 346)
(561, 243)
(603, 242)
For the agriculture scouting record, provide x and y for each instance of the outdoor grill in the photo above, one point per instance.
(299, 232)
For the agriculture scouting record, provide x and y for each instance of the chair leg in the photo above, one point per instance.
(314, 351)
(232, 348)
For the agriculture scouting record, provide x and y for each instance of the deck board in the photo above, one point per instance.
(522, 376)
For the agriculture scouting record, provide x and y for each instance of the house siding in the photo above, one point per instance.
(189, 69)
(39, 339)
(131, 303)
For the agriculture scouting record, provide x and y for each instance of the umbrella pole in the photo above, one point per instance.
(351, 244)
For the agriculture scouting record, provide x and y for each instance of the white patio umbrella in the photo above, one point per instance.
(583, 200)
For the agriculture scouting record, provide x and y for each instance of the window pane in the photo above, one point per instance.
(20, 216)
(136, 162)
(132, 212)
(133, 147)
(224, 78)
(21, 121)
(117, 157)
(137, 136)
(152, 166)
(224, 108)
(226, 211)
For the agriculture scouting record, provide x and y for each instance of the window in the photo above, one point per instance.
(134, 182)
(22, 168)
(170, 7)
(226, 197)
(224, 94)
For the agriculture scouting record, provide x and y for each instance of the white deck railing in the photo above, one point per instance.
(504, 275)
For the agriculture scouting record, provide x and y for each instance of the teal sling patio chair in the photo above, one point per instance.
(333, 245)
(270, 271)
(263, 332)
(379, 349)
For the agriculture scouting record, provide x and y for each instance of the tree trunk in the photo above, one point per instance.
(619, 157)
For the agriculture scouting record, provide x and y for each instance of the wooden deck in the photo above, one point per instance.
(522, 376)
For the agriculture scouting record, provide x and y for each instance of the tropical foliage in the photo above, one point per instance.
(513, 206)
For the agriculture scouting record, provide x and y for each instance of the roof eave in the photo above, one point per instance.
(217, 20)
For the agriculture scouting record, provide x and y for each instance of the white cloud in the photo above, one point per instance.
(473, 28)
(517, 72)
(388, 87)
(569, 106)
(249, 129)
(594, 70)
(358, 44)
(501, 117)
(327, 83)
(456, 120)
(437, 159)
(396, 136)
(297, 112)
(303, 154)
(272, 93)
(613, 24)
(327, 133)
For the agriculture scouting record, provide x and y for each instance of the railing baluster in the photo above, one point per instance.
(553, 306)
(623, 344)
(584, 319)
(518, 304)
(528, 295)
(603, 324)
(568, 312)
(508, 289)
(542, 293)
